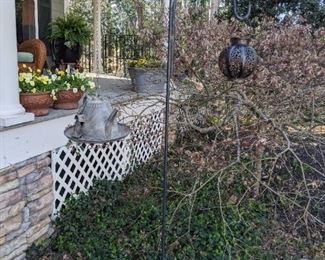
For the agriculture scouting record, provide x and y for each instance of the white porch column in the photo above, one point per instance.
(36, 19)
(11, 112)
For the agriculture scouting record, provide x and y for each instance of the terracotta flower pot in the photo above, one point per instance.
(37, 103)
(66, 99)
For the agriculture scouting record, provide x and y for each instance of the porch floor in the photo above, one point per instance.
(118, 89)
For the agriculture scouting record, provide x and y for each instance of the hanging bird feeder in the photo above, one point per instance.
(238, 60)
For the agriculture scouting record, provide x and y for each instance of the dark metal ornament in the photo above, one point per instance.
(237, 60)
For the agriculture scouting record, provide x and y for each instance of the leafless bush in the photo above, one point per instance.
(275, 117)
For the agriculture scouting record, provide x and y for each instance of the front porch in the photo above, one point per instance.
(32, 18)
(38, 171)
(29, 139)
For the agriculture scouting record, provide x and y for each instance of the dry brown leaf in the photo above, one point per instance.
(232, 200)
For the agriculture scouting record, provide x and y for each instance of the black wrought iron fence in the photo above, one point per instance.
(117, 49)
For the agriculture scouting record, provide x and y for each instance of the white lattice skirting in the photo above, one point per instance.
(75, 167)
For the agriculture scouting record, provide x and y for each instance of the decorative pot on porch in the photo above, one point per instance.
(70, 87)
(36, 92)
(63, 51)
(147, 76)
(68, 99)
(37, 103)
(67, 35)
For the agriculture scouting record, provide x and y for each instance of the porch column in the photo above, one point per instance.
(11, 112)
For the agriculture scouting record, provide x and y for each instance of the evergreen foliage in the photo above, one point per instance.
(72, 28)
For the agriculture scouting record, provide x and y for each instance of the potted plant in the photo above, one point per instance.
(147, 75)
(69, 88)
(68, 34)
(36, 91)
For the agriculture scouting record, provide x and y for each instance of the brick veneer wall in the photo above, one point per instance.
(26, 200)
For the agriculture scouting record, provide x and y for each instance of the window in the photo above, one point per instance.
(25, 20)
(44, 18)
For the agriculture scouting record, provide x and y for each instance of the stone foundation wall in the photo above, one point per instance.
(26, 201)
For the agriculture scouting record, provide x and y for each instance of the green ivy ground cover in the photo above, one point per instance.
(121, 220)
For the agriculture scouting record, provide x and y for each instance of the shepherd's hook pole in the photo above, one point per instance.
(170, 65)
(236, 14)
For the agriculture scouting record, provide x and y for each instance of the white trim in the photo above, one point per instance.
(36, 19)
(21, 143)
(15, 119)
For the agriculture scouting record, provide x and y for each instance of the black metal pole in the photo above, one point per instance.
(170, 65)
(235, 11)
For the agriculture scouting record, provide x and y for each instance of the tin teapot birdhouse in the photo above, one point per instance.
(96, 123)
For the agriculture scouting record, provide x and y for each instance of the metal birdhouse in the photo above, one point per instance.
(237, 60)
(96, 123)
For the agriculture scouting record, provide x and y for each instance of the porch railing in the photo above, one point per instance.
(117, 49)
